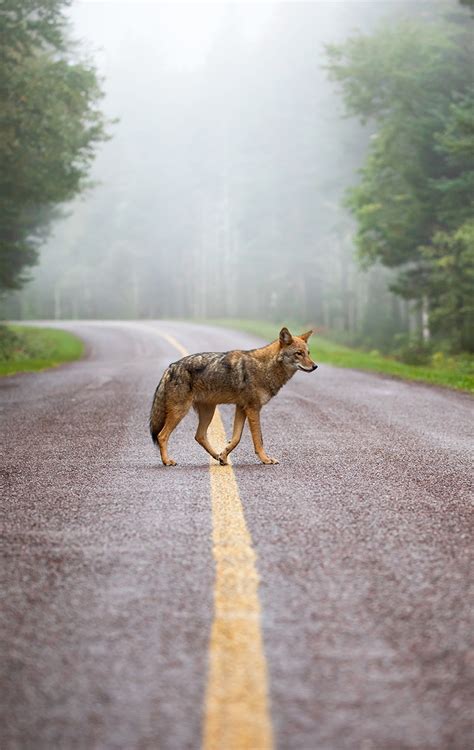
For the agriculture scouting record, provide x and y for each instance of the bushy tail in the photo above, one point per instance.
(158, 408)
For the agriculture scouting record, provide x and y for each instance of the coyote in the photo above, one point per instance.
(248, 379)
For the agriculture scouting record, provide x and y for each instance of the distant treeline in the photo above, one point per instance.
(233, 189)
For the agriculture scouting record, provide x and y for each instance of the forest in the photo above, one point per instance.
(311, 162)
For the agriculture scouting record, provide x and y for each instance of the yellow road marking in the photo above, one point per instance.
(237, 707)
(171, 340)
(237, 712)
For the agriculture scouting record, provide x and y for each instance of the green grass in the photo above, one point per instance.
(25, 349)
(451, 372)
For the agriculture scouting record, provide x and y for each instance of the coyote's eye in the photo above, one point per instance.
(299, 354)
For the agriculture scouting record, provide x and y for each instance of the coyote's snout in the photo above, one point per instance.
(248, 379)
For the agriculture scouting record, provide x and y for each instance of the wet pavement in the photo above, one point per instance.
(363, 535)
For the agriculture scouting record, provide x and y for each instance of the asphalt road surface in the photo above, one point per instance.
(356, 549)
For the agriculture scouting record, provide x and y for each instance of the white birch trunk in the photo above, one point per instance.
(425, 326)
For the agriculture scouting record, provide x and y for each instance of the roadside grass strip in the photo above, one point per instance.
(237, 711)
(28, 349)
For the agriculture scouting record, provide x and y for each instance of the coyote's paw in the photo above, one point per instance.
(170, 462)
(222, 458)
(268, 461)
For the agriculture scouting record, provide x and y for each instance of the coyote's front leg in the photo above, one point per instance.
(253, 416)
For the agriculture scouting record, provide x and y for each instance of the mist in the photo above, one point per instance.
(220, 193)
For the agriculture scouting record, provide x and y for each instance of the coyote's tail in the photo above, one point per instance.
(158, 408)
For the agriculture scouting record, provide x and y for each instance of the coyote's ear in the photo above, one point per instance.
(305, 336)
(285, 337)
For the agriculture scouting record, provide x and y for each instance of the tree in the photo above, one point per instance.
(450, 262)
(413, 81)
(455, 145)
(49, 126)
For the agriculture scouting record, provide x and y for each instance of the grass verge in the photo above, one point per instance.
(451, 372)
(25, 349)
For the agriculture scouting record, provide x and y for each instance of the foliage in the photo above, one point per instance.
(450, 269)
(414, 82)
(25, 349)
(49, 126)
(411, 350)
(455, 145)
(9, 342)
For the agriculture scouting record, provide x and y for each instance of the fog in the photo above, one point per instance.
(220, 192)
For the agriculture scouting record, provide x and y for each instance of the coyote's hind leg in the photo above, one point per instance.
(174, 415)
(239, 421)
(205, 412)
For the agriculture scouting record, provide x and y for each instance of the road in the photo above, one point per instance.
(335, 614)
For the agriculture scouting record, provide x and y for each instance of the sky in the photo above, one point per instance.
(186, 28)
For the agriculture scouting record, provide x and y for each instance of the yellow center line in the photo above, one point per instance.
(171, 340)
(237, 711)
(237, 714)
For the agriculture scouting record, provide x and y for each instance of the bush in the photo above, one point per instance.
(413, 351)
(9, 343)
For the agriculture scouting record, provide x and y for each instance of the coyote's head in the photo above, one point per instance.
(294, 351)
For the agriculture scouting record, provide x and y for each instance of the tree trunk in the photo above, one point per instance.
(425, 324)
(57, 301)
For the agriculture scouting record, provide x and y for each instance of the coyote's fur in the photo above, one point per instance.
(248, 379)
